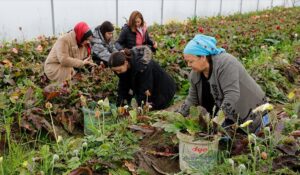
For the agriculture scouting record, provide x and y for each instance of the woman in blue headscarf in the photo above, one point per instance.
(219, 79)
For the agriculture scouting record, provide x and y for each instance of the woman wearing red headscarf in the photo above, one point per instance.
(69, 51)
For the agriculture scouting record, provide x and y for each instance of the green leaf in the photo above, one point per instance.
(134, 103)
(106, 104)
(133, 115)
(273, 41)
(73, 163)
(194, 112)
(220, 118)
(171, 128)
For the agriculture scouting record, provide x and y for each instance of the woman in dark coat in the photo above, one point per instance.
(142, 78)
(135, 33)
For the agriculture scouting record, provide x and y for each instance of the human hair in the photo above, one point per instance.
(131, 22)
(106, 26)
(117, 59)
(208, 57)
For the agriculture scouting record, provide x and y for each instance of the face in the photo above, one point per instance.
(108, 36)
(138, 22)
(198, 64)
(87, 40)
(121, 69)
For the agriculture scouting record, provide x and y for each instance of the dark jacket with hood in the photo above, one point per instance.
(127, 39)
(145, 74)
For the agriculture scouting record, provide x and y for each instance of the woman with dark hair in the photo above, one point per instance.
(142, 78)
(102, 45)
(72, 50)
(135, 33)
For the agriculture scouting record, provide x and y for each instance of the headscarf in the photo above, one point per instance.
(83, 31)
(203, 45)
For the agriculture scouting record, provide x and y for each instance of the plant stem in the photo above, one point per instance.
(2, 171)
(52, 167)
(53, 126)
(103, 120)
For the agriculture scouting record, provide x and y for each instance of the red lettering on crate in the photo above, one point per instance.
(199, 150)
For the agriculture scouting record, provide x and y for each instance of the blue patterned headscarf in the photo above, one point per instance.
(202, 45)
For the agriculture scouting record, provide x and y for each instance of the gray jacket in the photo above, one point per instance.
(101, 50)
(233, 89)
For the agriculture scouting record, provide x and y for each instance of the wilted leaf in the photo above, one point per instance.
(15, 51)
(8, 80)
(39, 48)
(38, 121)
(66, 120)
(292, 162)
(164, 154)
(143, 118)
(14, 96)
(54, 90)
(27, 126)
(296, 133)
(289, 149)
(82, 170)
(239, 146)
(131, 167)
(148, 129)
(7, 63)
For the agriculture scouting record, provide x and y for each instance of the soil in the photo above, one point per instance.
(158, 155)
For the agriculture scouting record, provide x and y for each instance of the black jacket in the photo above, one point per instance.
(145, 74)
(127, 39)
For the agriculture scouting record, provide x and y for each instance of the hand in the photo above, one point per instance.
(102, 65)
(155, 45)
(89, 61)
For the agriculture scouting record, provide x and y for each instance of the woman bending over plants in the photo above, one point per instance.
(142, 78)
(219, 79)
(71, 50)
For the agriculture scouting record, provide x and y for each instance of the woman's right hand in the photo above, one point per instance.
(89, 61)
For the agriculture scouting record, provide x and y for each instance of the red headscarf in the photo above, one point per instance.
(80, 29)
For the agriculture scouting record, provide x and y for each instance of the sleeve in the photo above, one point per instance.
(148, 39)
(100, 51)
(191, 100)
(149, 42)
(228, 78)
(123, 89)
(121, 40)
(144, 81)
(62, 50)
(114, 49)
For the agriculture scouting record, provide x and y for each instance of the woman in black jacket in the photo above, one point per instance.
(142, 78)
(135, 33)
